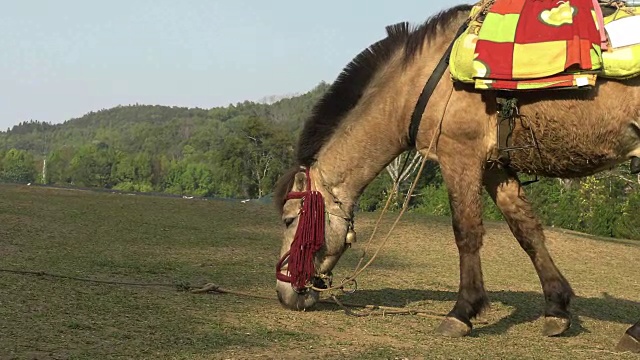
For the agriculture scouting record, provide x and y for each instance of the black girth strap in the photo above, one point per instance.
(430, 87)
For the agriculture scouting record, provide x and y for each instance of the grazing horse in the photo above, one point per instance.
(361, 125)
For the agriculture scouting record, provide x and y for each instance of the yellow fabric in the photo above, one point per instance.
(463, 52)
(526, 58)
(624, 62)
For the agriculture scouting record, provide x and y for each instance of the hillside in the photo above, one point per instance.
(123, 126)
(233, 151)
(239, 151)
(146, 239)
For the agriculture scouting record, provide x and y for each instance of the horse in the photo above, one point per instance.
(361, 124)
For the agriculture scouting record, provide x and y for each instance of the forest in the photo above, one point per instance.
(240, 150)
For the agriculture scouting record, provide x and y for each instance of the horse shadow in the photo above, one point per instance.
(528, 306)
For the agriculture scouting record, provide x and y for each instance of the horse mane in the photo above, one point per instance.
(345, 92)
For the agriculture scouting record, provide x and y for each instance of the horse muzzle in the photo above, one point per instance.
(296, 300)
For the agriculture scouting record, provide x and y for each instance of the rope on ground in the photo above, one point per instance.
(179, 286)
(213, 288)
(369, 310)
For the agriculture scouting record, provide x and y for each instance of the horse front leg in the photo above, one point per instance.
(631, 340)
(506, 191)
(463, 178)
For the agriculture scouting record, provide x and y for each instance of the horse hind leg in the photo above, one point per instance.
(463, 178)
(631, 340)
(506, 191)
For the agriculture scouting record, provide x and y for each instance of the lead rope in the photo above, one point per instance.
(351, 279)
(394, 190)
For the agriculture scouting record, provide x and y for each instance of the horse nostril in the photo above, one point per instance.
(319, 283)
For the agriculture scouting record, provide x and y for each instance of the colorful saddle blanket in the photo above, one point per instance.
(522, 45)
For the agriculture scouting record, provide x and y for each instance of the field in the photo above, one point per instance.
(149, 239)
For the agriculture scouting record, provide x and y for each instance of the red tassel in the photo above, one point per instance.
(308, 240)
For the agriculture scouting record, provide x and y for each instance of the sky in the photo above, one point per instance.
(61, 59)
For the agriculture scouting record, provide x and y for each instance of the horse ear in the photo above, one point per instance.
(300, 181)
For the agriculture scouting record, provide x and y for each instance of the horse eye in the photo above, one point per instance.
(288, 221)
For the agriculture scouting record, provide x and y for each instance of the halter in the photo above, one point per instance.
(309, 238)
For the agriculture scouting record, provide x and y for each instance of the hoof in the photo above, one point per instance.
(628, 343)
(634, 167)
(554, 326)
(452, 327)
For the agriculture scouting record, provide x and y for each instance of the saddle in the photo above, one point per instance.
(547, 44)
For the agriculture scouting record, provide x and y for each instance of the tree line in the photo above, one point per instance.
(240, 150)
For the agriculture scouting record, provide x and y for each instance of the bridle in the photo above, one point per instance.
(308, 240)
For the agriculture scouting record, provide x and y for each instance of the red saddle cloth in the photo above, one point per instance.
(534, 39)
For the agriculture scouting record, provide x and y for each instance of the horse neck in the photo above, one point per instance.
(351, 163)
(375, 131)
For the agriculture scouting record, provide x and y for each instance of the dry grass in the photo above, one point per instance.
(235, 245)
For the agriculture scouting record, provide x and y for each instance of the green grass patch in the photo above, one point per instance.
(177, 241)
